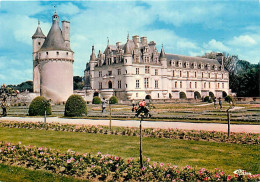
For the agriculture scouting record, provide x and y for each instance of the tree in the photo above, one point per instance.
(27, 85)
(78, 83)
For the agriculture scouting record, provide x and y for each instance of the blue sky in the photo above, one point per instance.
(183, 27)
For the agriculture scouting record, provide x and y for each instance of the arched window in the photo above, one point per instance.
(109, 84)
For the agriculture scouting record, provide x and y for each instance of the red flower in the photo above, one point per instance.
(228, 178)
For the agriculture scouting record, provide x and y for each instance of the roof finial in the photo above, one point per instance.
(39, 23)
(55, 9)
(107, 40)
(162, 45)
(127, 36)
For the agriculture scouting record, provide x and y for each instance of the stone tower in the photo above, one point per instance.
(53, 62)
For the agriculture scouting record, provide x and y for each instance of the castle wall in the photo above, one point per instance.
(56, 80)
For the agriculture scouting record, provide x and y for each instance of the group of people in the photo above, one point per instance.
(4, 106)
(219, 101)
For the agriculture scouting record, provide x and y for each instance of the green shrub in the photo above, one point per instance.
(96, 100)
(75, 106)
(206, 99)
(229, 98)
(38, 107)
(113, 100)
(182, 95)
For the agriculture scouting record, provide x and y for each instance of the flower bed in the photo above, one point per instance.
(107, 167)
(214, 136)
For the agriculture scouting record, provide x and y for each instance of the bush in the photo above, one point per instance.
(75, 106)
(113, 100)
(96, 100)
(38, 107)
(206, 99)
(229, 98)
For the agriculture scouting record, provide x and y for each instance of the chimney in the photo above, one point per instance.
(136, 39)
(66, 32)
(144, 40)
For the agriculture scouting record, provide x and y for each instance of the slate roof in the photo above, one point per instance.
(38, 33)
(54, 40)
(191, 59)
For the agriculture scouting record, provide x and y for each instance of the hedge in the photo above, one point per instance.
(38, 107)
(75, 106)
(96, 100)
(113, 100)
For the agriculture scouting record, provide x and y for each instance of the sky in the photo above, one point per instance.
(186, 27)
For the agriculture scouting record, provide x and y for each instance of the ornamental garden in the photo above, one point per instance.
(68, 152)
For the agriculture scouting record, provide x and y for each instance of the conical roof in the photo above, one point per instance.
(38, 33)
(162, 54)
(93, 55)
(54, 40)
(127, 49)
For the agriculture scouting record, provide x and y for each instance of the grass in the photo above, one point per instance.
(18, 174)
(199, 154)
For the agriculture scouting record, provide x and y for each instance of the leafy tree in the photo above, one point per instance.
(78, 83)
(38, 107)
(75, 106)
(27, 85)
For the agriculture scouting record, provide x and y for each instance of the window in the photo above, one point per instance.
(190, 84)
(125, 60)
(137, 71)
(125, 85)
(173, 74)
(100, 85)
(202, 75)
(39, 43)
(209, 84)
(119, 71)
(223, 85)
(195, 84)
(180, 84)
(146, 82)
(137, 83)
(47, 53)
(222, 76)
(205, 85)
(156, 71)
(188, 74)
(195, 74)
(110, 84)
(119, 83)
(136, 94)
(218, 85)
(158, 95)
(57, 53)
(147, 69)
(67, 53)
(180, 74)
(109, 73)
(209, 75)
(100, 73)
(125, 71)
(156, 84)
(175, 84)
(216, 75)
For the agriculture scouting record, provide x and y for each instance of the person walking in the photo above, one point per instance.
(141, 107)
(220, 103)
(104, 105)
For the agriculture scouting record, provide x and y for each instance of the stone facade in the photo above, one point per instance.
(136, 70)
(53, 62)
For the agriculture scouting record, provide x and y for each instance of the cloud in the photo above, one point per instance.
(216, 46)
(68, 8)
(243, 41)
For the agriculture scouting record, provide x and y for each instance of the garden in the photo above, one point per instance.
(97, 153)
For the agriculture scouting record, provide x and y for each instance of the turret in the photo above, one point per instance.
(38, 39)
(163, 59)
(127, 53)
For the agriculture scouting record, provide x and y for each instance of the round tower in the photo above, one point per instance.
(55, 60)
(38, 39)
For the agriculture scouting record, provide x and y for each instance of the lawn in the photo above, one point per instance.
(18, 174)
(199, 154)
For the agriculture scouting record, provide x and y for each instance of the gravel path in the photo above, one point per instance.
(146, 124)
